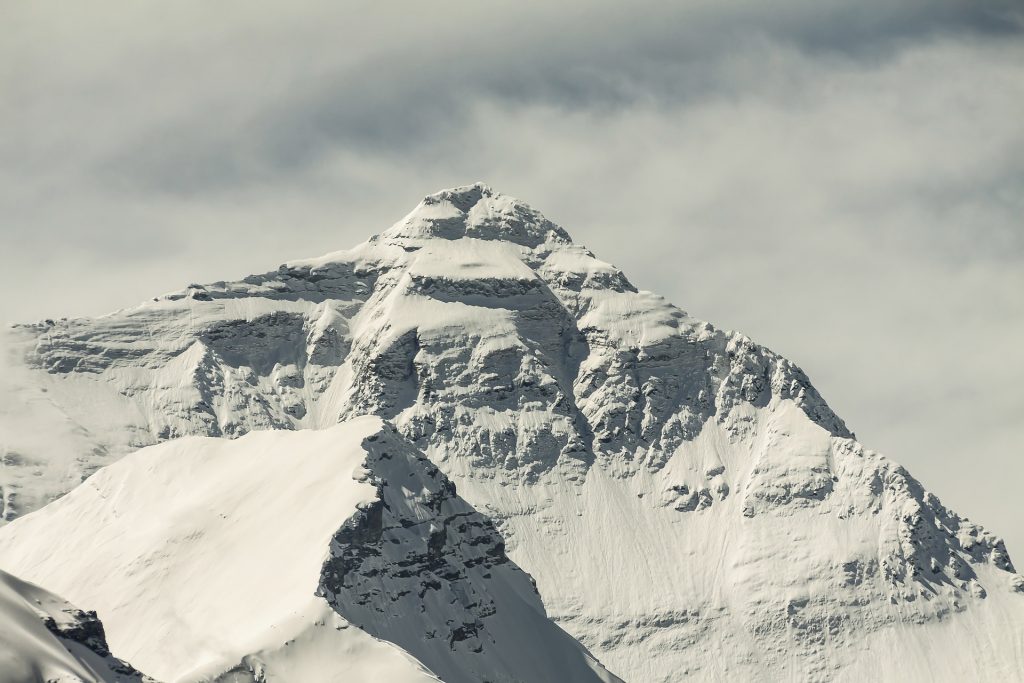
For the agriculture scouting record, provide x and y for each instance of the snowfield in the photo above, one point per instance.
(466, 394)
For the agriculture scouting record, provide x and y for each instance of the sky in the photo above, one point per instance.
(841, 180)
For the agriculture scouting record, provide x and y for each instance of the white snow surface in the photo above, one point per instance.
(685, 499)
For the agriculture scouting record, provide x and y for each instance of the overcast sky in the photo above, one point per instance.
(843, 181)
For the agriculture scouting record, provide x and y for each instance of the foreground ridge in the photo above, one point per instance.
(408, 564)
(684, 498)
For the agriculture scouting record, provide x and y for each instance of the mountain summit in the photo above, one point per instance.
(686, 502)
(477, 211)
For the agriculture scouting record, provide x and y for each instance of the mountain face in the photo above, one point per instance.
(686, 501)
(47, 639)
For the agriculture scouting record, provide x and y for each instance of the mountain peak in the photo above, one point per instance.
(476, 211)
(464, 197)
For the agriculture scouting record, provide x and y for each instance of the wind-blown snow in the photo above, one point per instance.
(685, 499)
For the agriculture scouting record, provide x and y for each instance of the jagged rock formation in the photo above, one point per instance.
(421, 568)
(684, 498)
(47, 639)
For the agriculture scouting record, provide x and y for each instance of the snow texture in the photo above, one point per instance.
(686, 501)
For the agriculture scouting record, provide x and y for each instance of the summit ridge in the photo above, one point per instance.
(479, 212)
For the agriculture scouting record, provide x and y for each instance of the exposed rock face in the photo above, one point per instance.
(421, 568)
(684, 498)
(409, 556)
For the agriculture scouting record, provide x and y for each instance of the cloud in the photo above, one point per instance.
(189, 100)
(841, 180)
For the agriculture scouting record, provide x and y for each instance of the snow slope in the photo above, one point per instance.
(684, 498)
(251, 560)
(44, 638)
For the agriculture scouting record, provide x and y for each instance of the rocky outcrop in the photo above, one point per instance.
(421, 568)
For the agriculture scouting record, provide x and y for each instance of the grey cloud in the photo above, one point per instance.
(843, 181)
(299, 96)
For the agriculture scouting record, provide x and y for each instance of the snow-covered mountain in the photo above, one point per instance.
(686, 501)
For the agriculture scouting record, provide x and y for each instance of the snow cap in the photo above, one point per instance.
(477, 211)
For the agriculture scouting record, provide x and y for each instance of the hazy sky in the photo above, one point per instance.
(843, 181)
